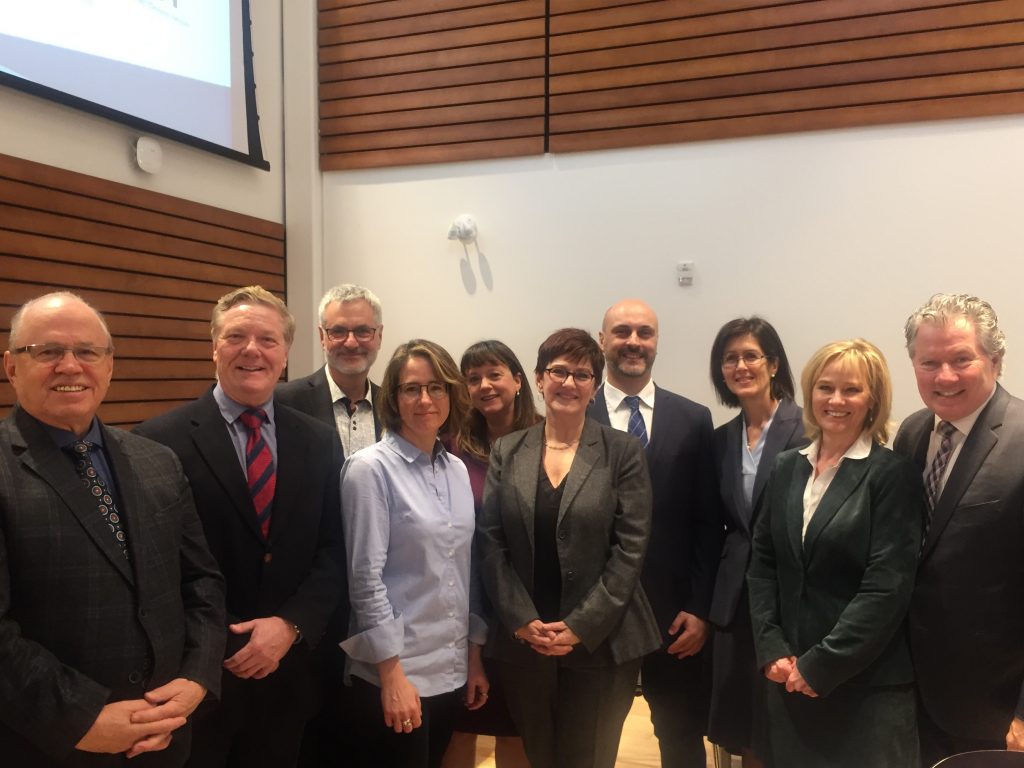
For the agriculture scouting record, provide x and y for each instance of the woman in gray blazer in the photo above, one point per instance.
(562, 536)
(835, 551)
(750, 371)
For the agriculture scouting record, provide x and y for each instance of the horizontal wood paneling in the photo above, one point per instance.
(153, 264)
(634, 74)
(430, 81)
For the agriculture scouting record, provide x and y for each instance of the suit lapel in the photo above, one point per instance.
(291, 451)
(778, 438)
(323, 405)
(212, 441)
(42, 456)
(976, 448)
(587, 455)
(598, 410)
(795, 505)
(131, 504)
(526, 471)
(733, 469)
(850, 474)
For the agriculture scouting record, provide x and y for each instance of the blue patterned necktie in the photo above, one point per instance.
(636, 428)
(933, 477)
(101, 493)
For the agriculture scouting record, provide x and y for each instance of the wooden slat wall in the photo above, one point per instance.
(420, 81)
(640, 73)
(153, 264)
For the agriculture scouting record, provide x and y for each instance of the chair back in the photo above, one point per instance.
(985, 758)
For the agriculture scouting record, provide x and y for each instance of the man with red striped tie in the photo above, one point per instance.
(265, 480)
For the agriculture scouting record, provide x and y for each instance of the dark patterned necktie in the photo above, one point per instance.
(636, 427)
(933, 477)
(101, 493)
(259, 468)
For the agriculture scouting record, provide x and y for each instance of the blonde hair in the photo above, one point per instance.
(252, 294)
(868, 361)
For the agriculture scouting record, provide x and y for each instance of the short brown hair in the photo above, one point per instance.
(574, 344)
(252, 294)
(445, 370)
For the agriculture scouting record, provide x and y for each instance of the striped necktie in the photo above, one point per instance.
(933, 477)
(259, 468)
(636, 427)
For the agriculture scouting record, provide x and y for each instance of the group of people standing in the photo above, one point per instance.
(493, 571)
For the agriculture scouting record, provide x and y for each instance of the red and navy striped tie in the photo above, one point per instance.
(259, 468)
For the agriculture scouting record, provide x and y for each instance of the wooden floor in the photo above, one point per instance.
(638, 748)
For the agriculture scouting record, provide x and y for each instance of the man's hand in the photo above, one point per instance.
(114, 732)
(270, 640)
(795, 683)
(779, 670)
(179, 698)
(1015, 736)
(694, 634)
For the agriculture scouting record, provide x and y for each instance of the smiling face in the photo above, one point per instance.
(250, 353)
(629, 341)
(67, 393)
(349, 356)
(841, 401)
(493, 389)
(748, 381)
(954, 374)
(567, 398)
(422, 416)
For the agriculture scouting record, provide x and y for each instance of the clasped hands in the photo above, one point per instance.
(551, 639)
(142, 725)
(784, 671)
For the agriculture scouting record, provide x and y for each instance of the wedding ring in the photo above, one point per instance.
(407, 723)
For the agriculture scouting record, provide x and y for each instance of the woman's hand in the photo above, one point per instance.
(779, 670)
(795, 683)
(398, 698)
(562, 639)
(477, 685)
(534, 634)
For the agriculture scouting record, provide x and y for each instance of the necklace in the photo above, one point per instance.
(565, 447)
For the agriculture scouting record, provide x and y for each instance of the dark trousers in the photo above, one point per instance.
(569, 717)
(937, 745)
(381, 747)
(677, 692)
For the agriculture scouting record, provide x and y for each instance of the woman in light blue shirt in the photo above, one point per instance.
(407, 507)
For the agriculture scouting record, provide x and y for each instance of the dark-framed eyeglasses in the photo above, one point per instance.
(436, 390)
(340, 333)
(750, 359)
(52, 353)
(561, 375)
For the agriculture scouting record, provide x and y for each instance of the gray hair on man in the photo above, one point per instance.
(349, 292)
(944, 308)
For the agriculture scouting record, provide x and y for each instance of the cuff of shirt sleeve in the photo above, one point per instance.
(477, 629)
(378, 643)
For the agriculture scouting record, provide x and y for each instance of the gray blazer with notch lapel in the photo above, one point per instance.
(966, 624)
(79, 625)
(603, 528)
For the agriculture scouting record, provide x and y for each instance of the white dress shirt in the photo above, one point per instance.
(618, 410)
(816, 486)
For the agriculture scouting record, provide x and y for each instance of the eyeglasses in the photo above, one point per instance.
(435, 390)
(340, 332)
(561, 375)
(52, 353)
(750, 359)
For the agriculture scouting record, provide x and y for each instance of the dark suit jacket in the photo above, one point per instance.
(786, 431)
(966, 620)
(686, 527)
(838, 599)
(79, 625)
(311, 395)
(603, 529)
(298, 572)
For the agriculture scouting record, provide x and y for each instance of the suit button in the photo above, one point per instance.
(143, 613)
(569, 575)
(134, 678)
(267, 557)
(561, 536)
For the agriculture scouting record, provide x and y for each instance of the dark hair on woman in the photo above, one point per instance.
(770, 343)
(473, 437)
(444, 369)
(574, 344)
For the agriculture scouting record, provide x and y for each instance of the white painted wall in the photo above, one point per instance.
(828, 235)
(40, 130)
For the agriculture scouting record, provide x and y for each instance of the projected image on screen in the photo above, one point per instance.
(173, 63)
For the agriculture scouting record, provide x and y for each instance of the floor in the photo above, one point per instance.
(638, 748)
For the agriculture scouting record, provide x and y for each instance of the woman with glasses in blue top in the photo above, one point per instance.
(562, 537)
(414, 640)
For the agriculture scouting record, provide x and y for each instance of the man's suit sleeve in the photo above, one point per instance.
(707, 529)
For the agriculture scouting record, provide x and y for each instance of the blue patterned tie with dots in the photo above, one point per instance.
(636, 425)
(103, 496)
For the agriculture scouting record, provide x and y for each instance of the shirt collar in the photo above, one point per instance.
(860, 449)
(613, 396)
(337, 394)
(966, 424)
(410, 452)
(64, 437)
(231, 410)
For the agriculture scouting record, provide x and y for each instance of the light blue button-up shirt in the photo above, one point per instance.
(409, 524)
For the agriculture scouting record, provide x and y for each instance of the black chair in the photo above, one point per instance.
(985, 758)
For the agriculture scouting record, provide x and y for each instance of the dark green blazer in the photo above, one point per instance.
(838, 599)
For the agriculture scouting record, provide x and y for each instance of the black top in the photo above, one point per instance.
(547, 571)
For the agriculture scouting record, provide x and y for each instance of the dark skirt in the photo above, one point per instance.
(493, 718)
(852, 727)
(736, 717)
